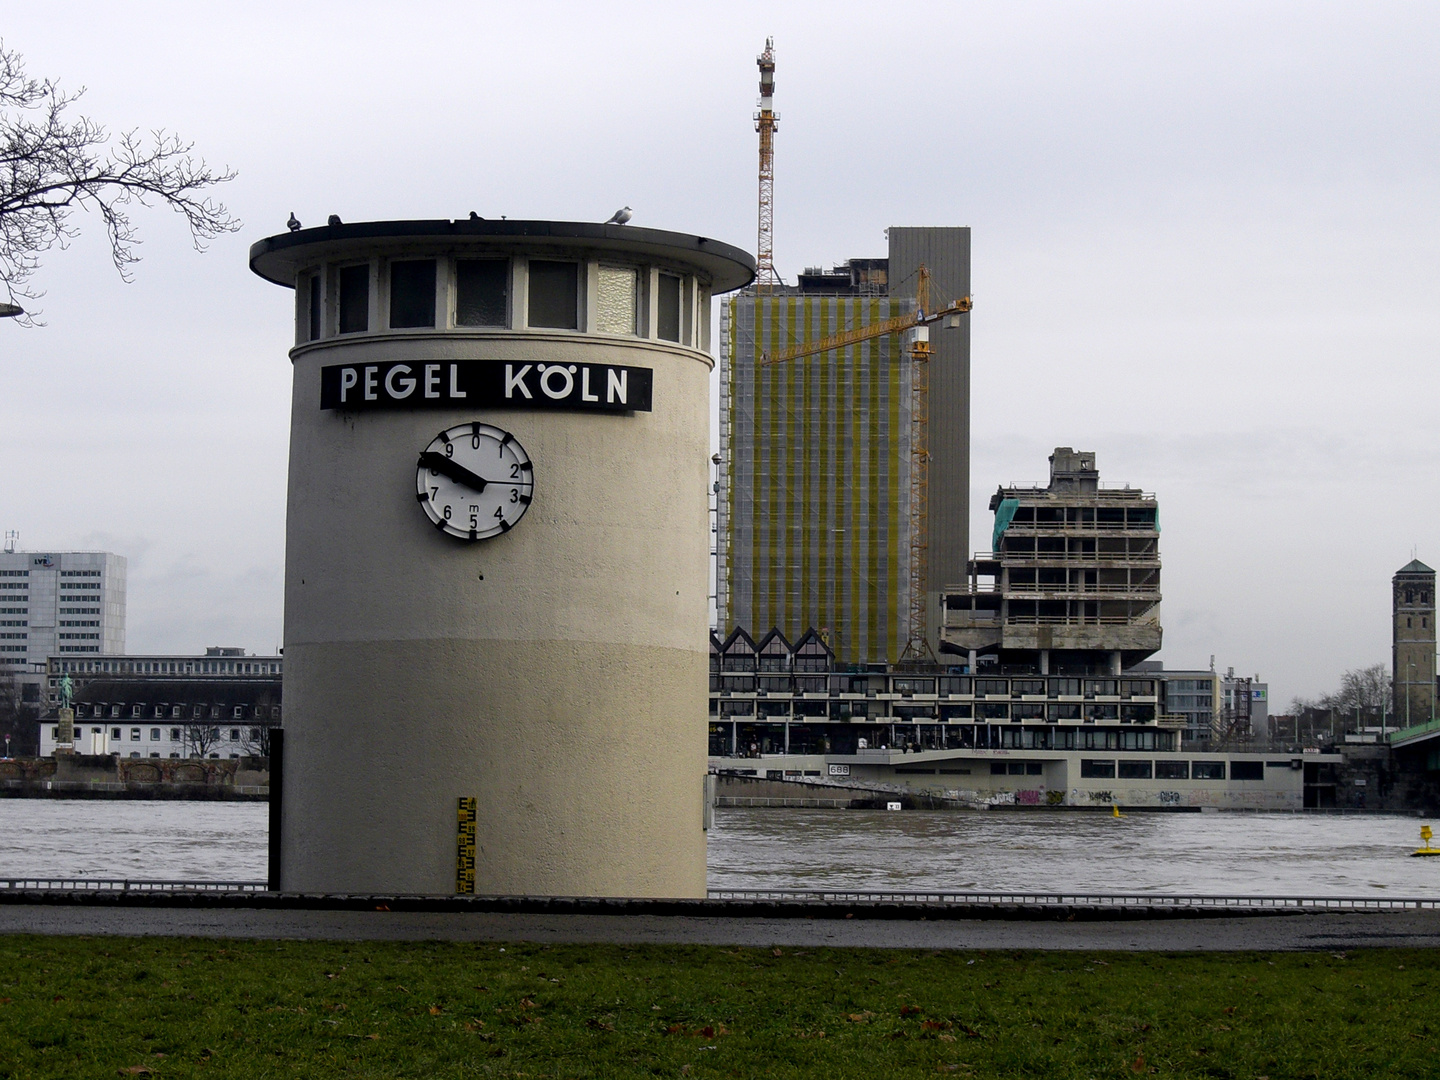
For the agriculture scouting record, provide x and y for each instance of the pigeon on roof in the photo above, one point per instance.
(294, 223)
(334, 219)
(620, 217)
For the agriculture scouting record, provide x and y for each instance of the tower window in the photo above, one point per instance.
(554, 295)
(412, 293)
(667, 311)
(480, 287)
(354, 299)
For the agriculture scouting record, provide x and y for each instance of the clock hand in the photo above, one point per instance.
(453, 469)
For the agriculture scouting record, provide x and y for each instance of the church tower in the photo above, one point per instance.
(1414, 643)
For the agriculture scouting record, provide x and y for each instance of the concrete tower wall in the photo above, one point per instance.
(1413, 649)
(555, 672)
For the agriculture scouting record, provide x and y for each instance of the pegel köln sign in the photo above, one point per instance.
(485, 384)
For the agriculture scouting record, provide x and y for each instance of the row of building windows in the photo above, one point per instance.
(1173, 770)
(14, 573)
(233, 734)
(13, 637)
(79, 611)
(100, 709)
(79, 648)
(483, 293)
(14, 610)
(79, 573)
(79, 637)
(81, 622)
(168, 667)
(750, 739)
(15, 586)
(995, 711)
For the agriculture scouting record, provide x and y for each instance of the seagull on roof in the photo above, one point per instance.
(294, 223)
(620, 217)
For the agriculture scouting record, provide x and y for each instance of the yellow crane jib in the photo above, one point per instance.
(865, 333)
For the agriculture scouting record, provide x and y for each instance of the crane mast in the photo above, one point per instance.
(766, 121)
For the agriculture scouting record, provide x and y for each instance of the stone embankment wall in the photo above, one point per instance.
(83, 776)
(1372, 778)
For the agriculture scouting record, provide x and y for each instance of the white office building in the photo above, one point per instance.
(59, 603)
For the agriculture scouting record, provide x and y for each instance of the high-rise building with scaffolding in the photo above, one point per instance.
(813, 522)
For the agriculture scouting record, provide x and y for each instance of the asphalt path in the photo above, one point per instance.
(1322, 932)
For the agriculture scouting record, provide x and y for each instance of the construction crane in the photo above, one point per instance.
(766, 120)
(916, 326)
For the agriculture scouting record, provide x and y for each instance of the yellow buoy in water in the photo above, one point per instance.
(1116, 808)
(1426, 834)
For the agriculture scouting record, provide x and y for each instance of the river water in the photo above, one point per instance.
(1216, 854)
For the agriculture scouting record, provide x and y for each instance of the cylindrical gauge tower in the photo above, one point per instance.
(496, 567)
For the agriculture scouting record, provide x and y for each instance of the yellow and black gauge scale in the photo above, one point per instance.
(465, 845)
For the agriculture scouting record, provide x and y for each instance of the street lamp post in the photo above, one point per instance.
(10, 311)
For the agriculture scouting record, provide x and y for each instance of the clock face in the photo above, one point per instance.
(474, 481)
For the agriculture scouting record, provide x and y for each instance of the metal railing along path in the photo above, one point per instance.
(1080, 899)
(78, 884)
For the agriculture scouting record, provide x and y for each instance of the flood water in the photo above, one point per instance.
(1216, 854)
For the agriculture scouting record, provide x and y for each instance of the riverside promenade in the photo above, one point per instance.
(1156, 924)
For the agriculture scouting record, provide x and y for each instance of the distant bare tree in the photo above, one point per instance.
(51, 164)
(200, 739)
(1363, 691)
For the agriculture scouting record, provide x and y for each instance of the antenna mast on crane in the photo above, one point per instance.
(766, 121)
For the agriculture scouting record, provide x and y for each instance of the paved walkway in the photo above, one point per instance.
(1409, 929)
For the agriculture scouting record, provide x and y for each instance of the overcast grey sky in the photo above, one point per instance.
(1206, 246)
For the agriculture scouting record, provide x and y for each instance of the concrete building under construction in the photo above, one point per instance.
(814, 517)
(1072, 583)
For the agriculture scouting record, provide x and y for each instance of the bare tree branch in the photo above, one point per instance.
(51, 165)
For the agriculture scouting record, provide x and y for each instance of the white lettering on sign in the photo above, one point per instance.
(565, 373)
(348, 378)
(585, 394)
(455, 391)
(407, 384)
(515, 381)
(615, 382)
(370, 383)
(432, 380)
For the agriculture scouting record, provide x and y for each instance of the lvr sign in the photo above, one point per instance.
(485, 384)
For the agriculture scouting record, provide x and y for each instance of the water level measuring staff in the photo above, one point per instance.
(497, 554)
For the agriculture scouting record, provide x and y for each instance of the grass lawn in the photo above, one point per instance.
(106, 1007)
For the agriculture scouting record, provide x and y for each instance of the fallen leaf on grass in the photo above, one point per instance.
(136, 1070)
(945, 1037)
(599, 1025)
(910, 1010)
(435, 1010)
(526, 1003)
(1138, 1065)
(1229, 1010)
(860, 1017)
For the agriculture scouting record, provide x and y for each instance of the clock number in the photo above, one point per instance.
(447, 511)
(514, 471)
(449, 449)
(514, 495)
(475, 442)
(434, 491)
(500, 512)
